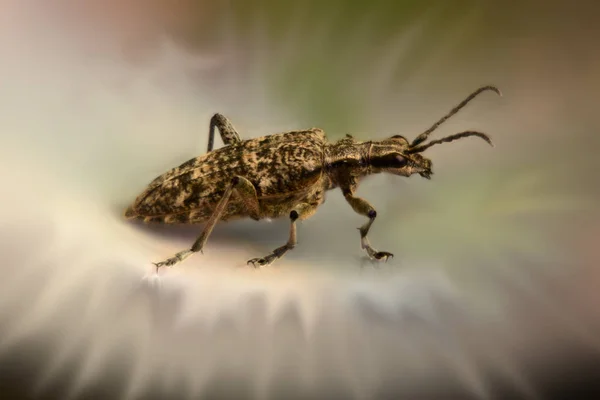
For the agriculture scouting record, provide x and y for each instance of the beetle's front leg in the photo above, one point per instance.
(362, 207)
(299, 212)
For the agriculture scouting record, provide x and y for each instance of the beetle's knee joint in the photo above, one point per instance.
(372, 214)
(217, 118)
(294, 215)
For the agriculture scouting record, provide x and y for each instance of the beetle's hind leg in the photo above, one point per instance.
(228, 133)
(302, 211)
(247, 193)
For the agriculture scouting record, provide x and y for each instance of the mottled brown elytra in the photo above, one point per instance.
(286, 174)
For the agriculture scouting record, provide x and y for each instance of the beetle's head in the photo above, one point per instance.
(399, 157)
(391, 155)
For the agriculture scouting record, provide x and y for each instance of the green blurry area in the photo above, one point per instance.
(317, 55)
(334, 44)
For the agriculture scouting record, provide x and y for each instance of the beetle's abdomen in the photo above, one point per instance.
(182, 193)
(277, 165)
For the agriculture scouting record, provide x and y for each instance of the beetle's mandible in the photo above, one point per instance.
(285, 174)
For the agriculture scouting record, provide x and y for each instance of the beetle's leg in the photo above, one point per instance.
(362, 207)
(300, 212)
(228, 133)
(246, 190)
(247, 194)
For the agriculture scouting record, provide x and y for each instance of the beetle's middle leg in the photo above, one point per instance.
(228, 133)
(362, 207)
(302, 211)
(244, 188)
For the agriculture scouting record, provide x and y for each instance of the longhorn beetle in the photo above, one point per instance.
(278, 175)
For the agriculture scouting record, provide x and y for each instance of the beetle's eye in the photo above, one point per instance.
(400, 161)
(389, 161)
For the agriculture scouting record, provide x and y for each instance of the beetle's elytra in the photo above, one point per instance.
(285, 174)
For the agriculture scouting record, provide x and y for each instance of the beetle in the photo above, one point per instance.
(285, 174)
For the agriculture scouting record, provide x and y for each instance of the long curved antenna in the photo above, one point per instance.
(450, 138)
(423, 136)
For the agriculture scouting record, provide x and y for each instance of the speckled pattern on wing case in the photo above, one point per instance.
(285, 169)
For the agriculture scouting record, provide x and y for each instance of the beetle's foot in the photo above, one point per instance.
(381, 255)
(374, 254)
(378, 255)
(268, 260)
(177, 258)
(262, 261)
(167, 263)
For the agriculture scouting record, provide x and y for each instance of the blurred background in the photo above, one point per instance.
(492, 290)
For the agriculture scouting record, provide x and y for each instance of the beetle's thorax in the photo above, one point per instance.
(347, 158)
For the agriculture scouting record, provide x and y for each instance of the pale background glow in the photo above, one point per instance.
(496, 256)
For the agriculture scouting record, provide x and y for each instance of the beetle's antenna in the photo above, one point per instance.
(418, 149)
(423, 136)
